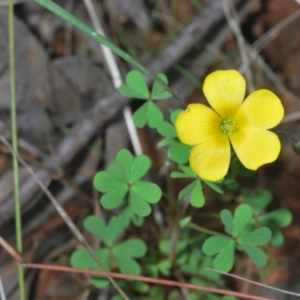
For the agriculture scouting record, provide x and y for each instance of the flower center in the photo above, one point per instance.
(228, 126)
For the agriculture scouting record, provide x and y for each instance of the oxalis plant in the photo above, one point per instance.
(155, 230)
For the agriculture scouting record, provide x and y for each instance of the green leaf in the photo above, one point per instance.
(148, 191)
(165, 143)
(224, 260)
(155, 116)
(166, 129)
(105, 182)
(149, 114)
(259, 201)
(124, 161)
(215, 244)
(185, 221)
(124, 252)
(114, 199)
(176, 174)
(175, 114)
(139, 168)
(179, 152)
(280, 218)
(133, 247)
(140, 116)
(187, 190)
(159, 91)
(107, 233)
(197, 197)
(227, 220)
(135, 86)
(242, 215)
(164, 267)
(257, 255)
(82, 259)
(260, 236)
(138, 204)
(214, 186)
(114, 170)
(277, 237)
(188, 170)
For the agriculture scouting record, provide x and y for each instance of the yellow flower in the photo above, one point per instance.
(243, 124)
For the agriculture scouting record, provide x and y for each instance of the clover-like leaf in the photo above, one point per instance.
(260, 236)
(108, 233)
(166, 129)
(278, 218)
(257, 255)
(224, 248)
(227, 220)
(135, 86)
(149, 114)
(242, 215)
(259, 201)
(140, 166)
(82, 259)
(180, 152)
(124, 161)
(115, 198)
(106, 182)
(214, 186)
(142, 193)
(159, 92)
(197, 197)
(126, 251)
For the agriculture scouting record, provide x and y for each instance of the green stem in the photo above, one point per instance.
(15, 147)
(204, 230)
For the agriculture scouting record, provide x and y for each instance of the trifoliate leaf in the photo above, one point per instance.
(260, 236)
(109, 233)
(138, 204)
(215, 244)
(257, 255)
(159, 92)
(224, 260)
(242, 215)
(105, 182)
(155, 115)
(214, 186)
(277, 238)
(227, 220)
(124, 161)
(166, 129)
(258, 201)
(187, 190)
(82, 259)
(179, 152)
(126, 251)
(140, 116)
(139, 168)
(197, 197)
(149, 114)
(279, 218)
(148, 191)
(135, 86)
(164, 267)
(113, 199)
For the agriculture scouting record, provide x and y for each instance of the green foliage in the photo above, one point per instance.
(279, 218)
(122, 254)
(135, 86)
(242, 236)
(122, 182)
(178, 152)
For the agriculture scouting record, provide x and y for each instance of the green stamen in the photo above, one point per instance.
(228, 126)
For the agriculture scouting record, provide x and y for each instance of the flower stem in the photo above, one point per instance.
(204, 230)
(15, 147)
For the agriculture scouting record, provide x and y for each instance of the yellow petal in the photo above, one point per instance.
(225, 91)
(197, 124)
(210, 160)
(255, 147)
(261, 109)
